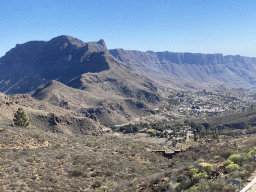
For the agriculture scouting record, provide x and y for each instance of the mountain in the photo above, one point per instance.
(186, 68)
(29, 65)
(96, 84)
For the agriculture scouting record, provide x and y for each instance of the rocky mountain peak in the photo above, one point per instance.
(65, 41)
(102, 42)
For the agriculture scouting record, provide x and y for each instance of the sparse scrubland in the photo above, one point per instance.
(45, 161)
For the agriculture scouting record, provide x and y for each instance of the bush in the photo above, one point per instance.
(208, 168)
(231, 167)
(177, 186)
(152, 133)
(197, 177)
(235, 158)
(193, 171)
(249, 167)
(243, 174)
(217, 157)
(213, 186)
(227, 162)
(225, 154)
(104, 188)
(96, 184)
(78, 171)
(21, 118)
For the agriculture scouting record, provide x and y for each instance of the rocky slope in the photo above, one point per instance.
(191, 67)
(96, 84)
(47, 116)
(34, 63)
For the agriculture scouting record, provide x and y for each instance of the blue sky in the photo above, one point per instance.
(205, 26)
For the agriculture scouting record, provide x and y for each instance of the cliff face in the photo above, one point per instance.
(234, 70)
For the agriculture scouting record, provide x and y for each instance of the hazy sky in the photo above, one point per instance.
(222, 26)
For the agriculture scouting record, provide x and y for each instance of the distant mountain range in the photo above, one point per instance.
(236, 70)
(64, 58)
(113, 86)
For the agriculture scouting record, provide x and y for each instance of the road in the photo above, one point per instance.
(250, 179)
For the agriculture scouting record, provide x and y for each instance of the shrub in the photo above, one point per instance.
(243, 174)
(225, 154)
(21, 118)
(215, 186)
(208, 168)
(227, 162)
(104, 188)
(231, 167)
(217, 157)
(235, 158)
(78, 171)
(193, 171)
(152, 133)
(197, 177)
(97, 183)
(177, 186)
(248, 167)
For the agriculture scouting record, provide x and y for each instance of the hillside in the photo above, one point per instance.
(96, 84)
(47, 117)
(90, 100)
(234, 121)
(34, 160)
(200, 68)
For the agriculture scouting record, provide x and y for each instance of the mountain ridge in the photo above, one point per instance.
(202, 68)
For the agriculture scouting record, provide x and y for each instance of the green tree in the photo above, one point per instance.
(21, 118)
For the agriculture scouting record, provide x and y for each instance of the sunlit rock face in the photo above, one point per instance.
(234, 70)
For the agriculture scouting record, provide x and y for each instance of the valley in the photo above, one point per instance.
(97, 116)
